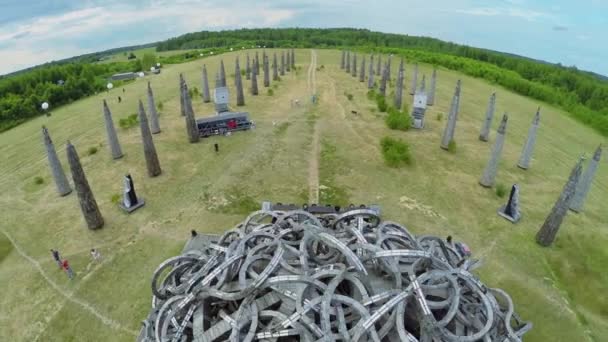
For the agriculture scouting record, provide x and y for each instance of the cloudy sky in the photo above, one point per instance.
(569, 32)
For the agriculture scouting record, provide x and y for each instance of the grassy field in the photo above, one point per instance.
(560, 289)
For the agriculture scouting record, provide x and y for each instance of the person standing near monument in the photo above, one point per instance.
(95, 254)
(217, 147)
(56, 257)
(68, 269)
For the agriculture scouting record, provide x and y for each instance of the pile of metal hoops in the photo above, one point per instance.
(294, 276)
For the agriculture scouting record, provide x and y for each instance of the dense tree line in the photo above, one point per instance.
(583, 94)
(21, 95)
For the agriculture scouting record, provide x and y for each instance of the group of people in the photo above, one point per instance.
(65, 265)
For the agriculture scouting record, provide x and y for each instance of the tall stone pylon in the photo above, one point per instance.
(484, 132)
(282, 71)
(238, 83)
(275, 68)
(422, 84)
(347, 68)
(399, 90)
(113, 143)
(154, 125)
(222, 73)
(288, 61)
(152, 163)
(526, 153)
(206, 96)
(548, 231)
(293, 59)
(61, 182)
(88, 205)
(370, 73)
(256, 64)
(182, 104)
(248, 69)
(266, 72)
(191, 127)
(450, 127)
(489, 174)
(582, 189)
(254, 83)
(383, 81)
(362, 71)
(378, 67)
(430, 99)
(353, 72)
(342, 61)
(414, 80)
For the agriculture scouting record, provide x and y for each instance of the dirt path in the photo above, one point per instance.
(313, 162)
(105, 320)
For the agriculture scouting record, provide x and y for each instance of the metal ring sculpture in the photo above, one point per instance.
(292, 276)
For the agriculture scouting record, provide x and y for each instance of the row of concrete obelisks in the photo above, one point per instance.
(575, 191)
(383, 71)
(88, 205)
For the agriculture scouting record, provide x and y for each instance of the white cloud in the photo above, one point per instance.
(515, 12)
(36, 41)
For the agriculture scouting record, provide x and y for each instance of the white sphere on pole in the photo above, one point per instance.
(110, 86)
(211, 53)
(45, 105)
(158, 65)
(152, 69)
(231, 49)
(141, 74)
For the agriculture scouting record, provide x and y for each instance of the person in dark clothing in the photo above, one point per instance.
(68, 269)
(217, 147)
(56, 257)
(123, 90)
(449, 240)
(193, 233)
(119, 99)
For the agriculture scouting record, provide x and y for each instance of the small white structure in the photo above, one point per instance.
(45, 105)
(110, 86)
(221, 99)
(419, 109)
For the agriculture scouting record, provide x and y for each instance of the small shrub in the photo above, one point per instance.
(452, 146)
(381, 102)
(349, 97)
(371, 94)
(243, 72)
(270, 92)
(160, 106)
(501, 190)
(92, 150)
(38, 180)
(398, 120)
(439, 116)
(115, 198)
(396, 152)
(275, 86)
(128, 122)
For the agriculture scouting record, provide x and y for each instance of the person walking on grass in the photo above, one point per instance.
(95, 254)
(68, 269)
(56, 257)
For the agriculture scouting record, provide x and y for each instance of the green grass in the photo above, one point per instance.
(558, 289)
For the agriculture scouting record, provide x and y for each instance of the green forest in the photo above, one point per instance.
(583, 94)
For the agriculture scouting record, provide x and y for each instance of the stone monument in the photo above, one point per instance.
(511, 210)
(450, 127)
(282, 71)
(266, 71)
(414, 80)
(222, 73)
(61, 182)
(547, 233)
(526, 153)
(489, 174)
(238, 82)
(206, 96)
(399, 88)
(342, 61)
(248, 69)
(378, 66)
(347, 68)
(113, 143)
(130, 202)
(88, 205)
(152, 162)
(254, 83)
(419, 106)
(484, 133)
(275, 68)
(362, 71)
(383, 81)
(154, 125)
(293, 59)
(287, 61)
(585, 183)
(182, 104)
(370, 73)
(431, 94)
(354, 66)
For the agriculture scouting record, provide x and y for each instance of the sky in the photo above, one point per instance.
(559, 31)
